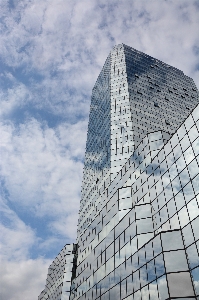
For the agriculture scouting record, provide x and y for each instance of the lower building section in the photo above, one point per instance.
(141, 239)
(158, 270)
(63, 268)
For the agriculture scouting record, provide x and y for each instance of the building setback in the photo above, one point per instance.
(60, 273)
(138, 227)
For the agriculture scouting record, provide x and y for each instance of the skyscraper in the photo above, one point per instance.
(138, 227)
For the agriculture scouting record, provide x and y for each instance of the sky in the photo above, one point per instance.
(51, 52)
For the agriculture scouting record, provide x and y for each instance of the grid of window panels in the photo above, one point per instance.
(58, 282)
(138, 225)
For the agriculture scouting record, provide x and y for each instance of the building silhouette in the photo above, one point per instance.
(138, 227)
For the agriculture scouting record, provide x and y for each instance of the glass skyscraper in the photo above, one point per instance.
(138, 227)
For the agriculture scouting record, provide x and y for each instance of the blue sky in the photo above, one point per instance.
(51, 52)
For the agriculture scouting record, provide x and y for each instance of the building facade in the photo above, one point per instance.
(138, 227)
(60, 273)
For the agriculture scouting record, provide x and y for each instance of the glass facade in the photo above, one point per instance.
(58, 282)
(138, 229)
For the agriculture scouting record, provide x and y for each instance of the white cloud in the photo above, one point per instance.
(16, 237)
(42, 167)
(24, 279)
(13, 98)
(21, 277)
